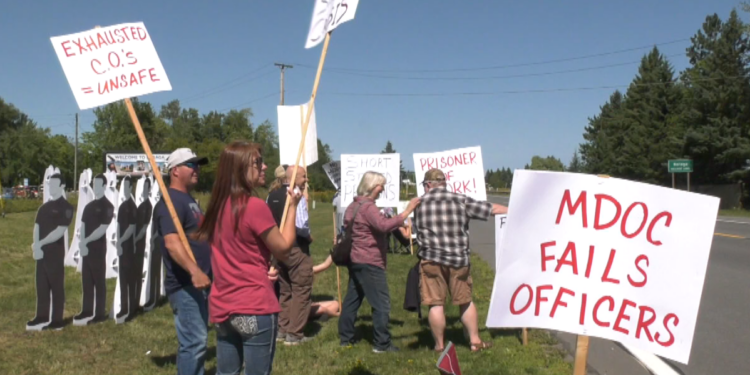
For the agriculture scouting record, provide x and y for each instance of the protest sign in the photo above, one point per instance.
(501, 222)
(333, 170)
(290, 134)
(604, 257)
(328, 15)
(107, 64)
(353, 167)
(133, 164)
(462, 167)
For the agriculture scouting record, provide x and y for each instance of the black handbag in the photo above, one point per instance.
(342, 249)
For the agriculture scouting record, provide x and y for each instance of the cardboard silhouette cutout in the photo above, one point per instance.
(142, 225)
(148, 193)
(85, 196)
(96, 218)
(126, 303)
(51, 170)
(48, 249)
(114, 197)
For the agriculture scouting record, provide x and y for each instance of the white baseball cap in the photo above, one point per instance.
(182, 156)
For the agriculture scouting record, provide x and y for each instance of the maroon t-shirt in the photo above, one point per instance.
(240, 264)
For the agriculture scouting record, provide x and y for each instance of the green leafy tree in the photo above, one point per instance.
(550, 163)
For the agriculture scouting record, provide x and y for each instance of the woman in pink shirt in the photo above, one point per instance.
(368, 262)
(243, 236)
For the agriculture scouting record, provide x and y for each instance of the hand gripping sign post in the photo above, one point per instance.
(327, 15)
(104, 65)
(604, 257)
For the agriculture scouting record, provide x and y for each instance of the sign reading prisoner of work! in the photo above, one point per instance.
(328, 15)
(462, 168)
(108, 64)
(333, 170)
(353, 167)
(604, 257)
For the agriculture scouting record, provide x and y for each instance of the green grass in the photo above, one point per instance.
(147, 345)
(737, 212)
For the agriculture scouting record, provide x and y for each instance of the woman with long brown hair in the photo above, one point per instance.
(243, 236)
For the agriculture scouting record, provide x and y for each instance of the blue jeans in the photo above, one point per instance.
(370, 282)
(255, 345)
(190, 310)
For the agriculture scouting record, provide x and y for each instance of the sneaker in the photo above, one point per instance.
(281, 337)
(37, 324)
(293, 341)
(54, 326)
(82, 319)
(390, 348)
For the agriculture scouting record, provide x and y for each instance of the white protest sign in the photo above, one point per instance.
(462, 167)
(328, 15)
(501, 222)
(111, 63)
(402, 207)
(353, 167)
(604, 257)
(333, 170)
(290, 134)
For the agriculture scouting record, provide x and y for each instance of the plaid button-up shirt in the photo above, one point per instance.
(442, 223)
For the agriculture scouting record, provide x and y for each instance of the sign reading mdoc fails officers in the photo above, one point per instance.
(604, 257)
(462, 167)
(111, 63)
(353, 167)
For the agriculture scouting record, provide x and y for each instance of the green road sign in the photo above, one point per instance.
(680, 166)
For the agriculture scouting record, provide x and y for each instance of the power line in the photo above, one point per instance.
(529, 91)
(577, 70)
(229, 84)
(507, 66)
(251, 101)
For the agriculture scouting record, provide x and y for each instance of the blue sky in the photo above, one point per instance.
(220, 54)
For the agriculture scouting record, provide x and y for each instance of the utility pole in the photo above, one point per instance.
(282, 67)
(75, 159)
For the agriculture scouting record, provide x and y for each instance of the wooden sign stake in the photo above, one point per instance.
(304, 153)
(307, 121)
(411, 244)
(157, 174)
(338, 270)
(525, 337)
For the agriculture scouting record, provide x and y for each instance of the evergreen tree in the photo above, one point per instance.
(575, 163)
(652, 132)
(717, 116)
(603, 137)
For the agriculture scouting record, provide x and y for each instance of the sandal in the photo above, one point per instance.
(481, 346)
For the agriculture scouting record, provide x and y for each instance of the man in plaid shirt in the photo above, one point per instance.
(442, 222)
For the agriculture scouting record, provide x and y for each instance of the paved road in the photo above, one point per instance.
(722, 339)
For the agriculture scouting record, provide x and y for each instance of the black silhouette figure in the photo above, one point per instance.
(126, 220)
(51, 223)
(143, 219)
(96, 217)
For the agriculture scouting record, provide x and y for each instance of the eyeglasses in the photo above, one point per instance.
(258, 162)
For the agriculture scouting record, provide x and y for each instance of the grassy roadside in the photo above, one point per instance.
(735, 213)
(148, 344)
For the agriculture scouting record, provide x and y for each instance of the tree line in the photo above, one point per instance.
(701, 113)
(27, 149)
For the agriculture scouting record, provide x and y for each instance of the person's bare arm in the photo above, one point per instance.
(498, 209)
(179, 254)
(413, 203)
(323, 266)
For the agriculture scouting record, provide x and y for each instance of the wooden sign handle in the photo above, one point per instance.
(157, 173)
(582, 353)
(307, 122)
(338, 270)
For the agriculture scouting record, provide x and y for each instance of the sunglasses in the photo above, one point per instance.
(258, 162)
(191, 165)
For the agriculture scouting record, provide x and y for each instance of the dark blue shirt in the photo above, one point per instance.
(191, 216)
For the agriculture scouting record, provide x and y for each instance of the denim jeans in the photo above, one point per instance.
(190, 310)
(366, 281)
(255, 347)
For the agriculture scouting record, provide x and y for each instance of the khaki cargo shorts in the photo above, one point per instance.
(436, 279)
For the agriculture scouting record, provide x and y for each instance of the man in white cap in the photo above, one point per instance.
(186, 282)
